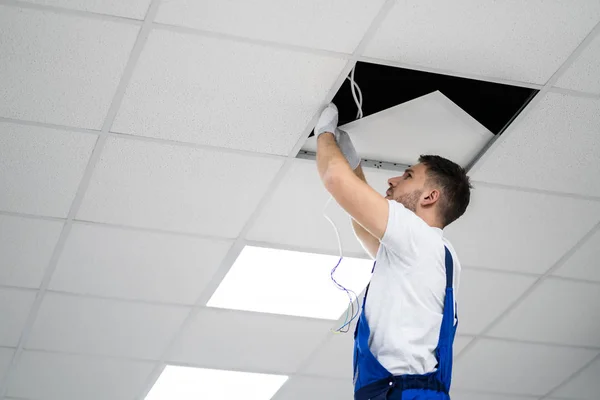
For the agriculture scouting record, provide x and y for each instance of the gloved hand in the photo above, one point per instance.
(343, 140)
(328, 123)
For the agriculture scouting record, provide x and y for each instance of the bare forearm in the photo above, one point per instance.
(329, 157)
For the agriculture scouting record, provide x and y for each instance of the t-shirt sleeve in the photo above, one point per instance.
(404, 230)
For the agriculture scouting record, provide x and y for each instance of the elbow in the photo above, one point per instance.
(331, 180)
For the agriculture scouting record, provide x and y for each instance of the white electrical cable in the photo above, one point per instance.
(358, 100)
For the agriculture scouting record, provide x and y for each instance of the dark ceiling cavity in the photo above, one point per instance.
(494, 105)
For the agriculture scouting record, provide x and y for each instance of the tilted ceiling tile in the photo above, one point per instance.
(60, 69)
(583, 264)
(224, 93)
(557, 311)
(554, 147)
(113, 262)
(177, 188)
(26, 246)
(585, 385)
(483, 296)
(15, 305)
(83, 325)
(511, 230)
(248, 341)
(336, 25)
(522, 42)
(302, 388)
(518, 368)
(41, 168)
(294, 212)
(584, 74)
(55, 376)
(130, 9)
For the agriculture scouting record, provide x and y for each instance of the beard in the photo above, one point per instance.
(410, 200)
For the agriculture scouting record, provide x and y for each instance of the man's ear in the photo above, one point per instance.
(430, 197)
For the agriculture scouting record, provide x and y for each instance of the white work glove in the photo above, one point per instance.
(328, 123)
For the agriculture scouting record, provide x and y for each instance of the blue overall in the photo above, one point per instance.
(373, 382)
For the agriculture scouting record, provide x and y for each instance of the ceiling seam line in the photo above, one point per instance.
(568, 254)
(127, 73)
(71, 12)
(536, 99)
(571, 377)
(240, 242)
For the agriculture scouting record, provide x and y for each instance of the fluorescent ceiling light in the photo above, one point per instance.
(290, 283)
(430, 124)
(186, 383)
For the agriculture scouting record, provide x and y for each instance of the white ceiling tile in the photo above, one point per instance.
(112, 262)
(523, 42)
(15, 305)
(555, 147)
(26, 246)
(130, 9)
(223, 93)
(583, 264)
(585, 385)
(584, 74)
(508, 367)
(60, 69)
(444, 128)
(248, 341)
(483, 296)
(458, 395)
(6, 355)
(510, 230)
(557, 311)
(40, 168)
(104, 327)
(176, 188)
(336, 25)
(52, 376)
(303, 193)
(460, 342)
(302, 388)
(334, 359)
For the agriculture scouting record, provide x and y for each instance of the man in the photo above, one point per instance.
(403, 339)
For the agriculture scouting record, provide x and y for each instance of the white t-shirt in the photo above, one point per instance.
(406, 295)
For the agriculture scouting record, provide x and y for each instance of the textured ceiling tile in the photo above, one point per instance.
(584, 74)
(248, 341)
(583, 264)
(26, 246)
(176, 188)
(554, 147)
(585, 385)
(302, 388)
(41, 168)
(223, 93)
(524, 42)
(51, 376)
(557, 311)
(334, 359)
(303, 192)
(505, 367)
(130, 8)
(483, 296)
(511, 230)
(83, 325)
(15, 305)
(458, 395)
(60, 69)
(6, 355)
(137, 265)
(336, 25)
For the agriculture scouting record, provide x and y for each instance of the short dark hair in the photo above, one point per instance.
(453, 182)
